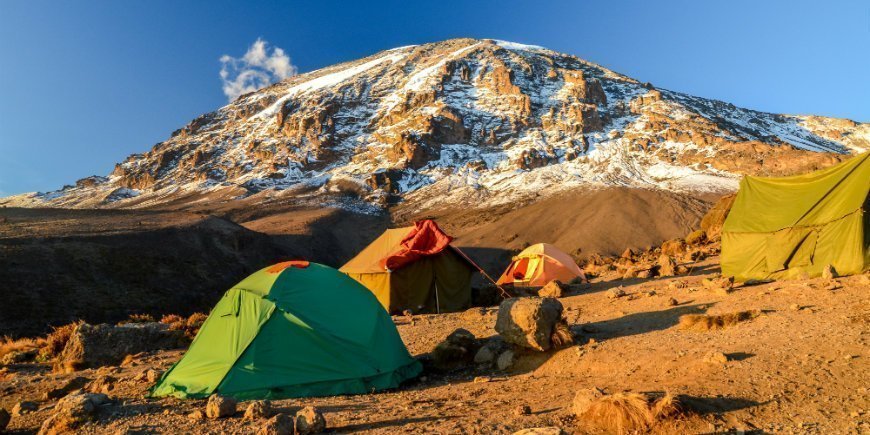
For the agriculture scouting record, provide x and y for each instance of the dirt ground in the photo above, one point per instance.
(800, 367)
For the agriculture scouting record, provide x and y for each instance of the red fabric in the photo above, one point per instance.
(424, 240)
(278, 268)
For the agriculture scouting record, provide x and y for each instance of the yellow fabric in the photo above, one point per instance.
(793, 226)
(368, 260)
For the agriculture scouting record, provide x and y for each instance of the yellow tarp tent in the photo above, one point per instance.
(429, 283)
(780, 228)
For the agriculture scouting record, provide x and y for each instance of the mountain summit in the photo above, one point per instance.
(465, 122)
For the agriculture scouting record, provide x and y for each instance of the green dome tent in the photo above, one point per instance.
(790, 226)
(295, 329)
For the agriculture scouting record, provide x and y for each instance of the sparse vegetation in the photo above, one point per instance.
(704, 322)
(624, 413)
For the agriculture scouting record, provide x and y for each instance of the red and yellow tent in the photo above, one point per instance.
(539, 264)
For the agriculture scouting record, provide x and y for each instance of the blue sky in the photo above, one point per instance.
(84, 84)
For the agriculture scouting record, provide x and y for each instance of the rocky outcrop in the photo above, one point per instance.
(100, 345)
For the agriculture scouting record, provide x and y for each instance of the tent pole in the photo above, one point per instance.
(437, 302)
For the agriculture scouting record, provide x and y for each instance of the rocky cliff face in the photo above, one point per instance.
(476, 122)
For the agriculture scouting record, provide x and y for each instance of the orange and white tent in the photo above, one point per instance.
(539, 264)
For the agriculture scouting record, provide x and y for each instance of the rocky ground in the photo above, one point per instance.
(801, 366)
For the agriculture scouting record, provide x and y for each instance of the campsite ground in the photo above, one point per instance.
(800, 367)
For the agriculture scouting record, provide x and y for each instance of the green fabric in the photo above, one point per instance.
(321, 333)
(794, 226)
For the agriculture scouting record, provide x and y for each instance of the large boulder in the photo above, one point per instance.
(528, 322)
(103, 344)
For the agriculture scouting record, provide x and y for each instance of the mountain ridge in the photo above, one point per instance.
(465, 122)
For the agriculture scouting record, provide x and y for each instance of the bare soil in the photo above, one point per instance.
(799, 367)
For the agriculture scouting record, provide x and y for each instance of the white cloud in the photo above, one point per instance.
(256, 69)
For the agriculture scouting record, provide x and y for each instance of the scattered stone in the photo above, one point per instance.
(584, 398)
(103, 384)
(667, 265)
(457, 350)
(258, 409)
(644, 274)
(529, 322)
(553, 289)
(505, 360)
(484, 356)
(71, 385)
(482, 379)
(280, 424)
(550, 430)
(722, 285)
(673, 302)
(220, 406)
(833, 285)
(630, 273)
(196, 415)
(71, 412)
(829, 272)
(716, 358)
(309, 421)
(522, 410)
(627, 254)
(673, 247)
(24, 407)
(152, 376)
(616, 292)
(795, 307)
(101, 345)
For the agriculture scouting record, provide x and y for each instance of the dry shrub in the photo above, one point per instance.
(703, 322)
(631, 412)
(138, 318)
(9, 345)
(561, 335)
(56, 340)
(5, 375)
(190, 325)
(620, 413)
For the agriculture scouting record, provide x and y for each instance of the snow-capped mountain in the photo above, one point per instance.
(476, 122)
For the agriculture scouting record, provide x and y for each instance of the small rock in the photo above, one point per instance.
(309, 421)
(152, 376)
(716, 357)
(258, 409)
(220, 406)
(673, 302)
(667, 265)
(24, 407)
(644, 274)
(627, 254)
(481, 379)
(522, 410)
(103, 384)
(458, 349)
(584, 398)
(280, 424)
(829, 272)
(505, 360)
(616, 292)
(795, 307)
(196, 415)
